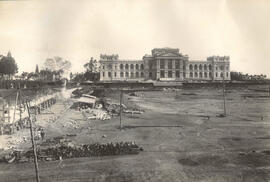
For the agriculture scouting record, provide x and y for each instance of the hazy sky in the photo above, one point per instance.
(80, 29)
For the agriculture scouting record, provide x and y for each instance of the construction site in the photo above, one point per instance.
(89, 133)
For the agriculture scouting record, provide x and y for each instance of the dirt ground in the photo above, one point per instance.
(182, 136)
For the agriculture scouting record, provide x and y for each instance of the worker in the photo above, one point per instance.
(42, 133)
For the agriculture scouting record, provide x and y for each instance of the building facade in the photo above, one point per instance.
(164, 64)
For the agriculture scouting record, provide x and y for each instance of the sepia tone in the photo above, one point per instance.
(157, 90)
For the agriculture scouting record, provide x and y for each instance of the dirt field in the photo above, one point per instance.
(182, 136)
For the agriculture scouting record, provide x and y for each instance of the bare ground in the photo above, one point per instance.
(180, 142)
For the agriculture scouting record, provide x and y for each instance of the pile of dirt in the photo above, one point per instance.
(69, 150)
(96, 114)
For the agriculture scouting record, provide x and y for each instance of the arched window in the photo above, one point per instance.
(210, 75)
(196, 75)
(195, 67)
(121, 66)
(191, 75)
(210, 67)
(109, 74)
(142, 67)
(127, 74)
(190, 67)
(137, 74)
(221, 75)
(205, 67)
(132, 75)
(205, 74)
(121, 74)
(169, 74)
(110, 66)
(216, 74)
(227, 75)
(142, 74)
(137, 66)
(132, 66)
(126, 67)
(200, 74)
(162, 74)
(177, 74)
(200, 67)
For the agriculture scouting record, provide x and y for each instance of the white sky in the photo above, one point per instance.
(80, 29)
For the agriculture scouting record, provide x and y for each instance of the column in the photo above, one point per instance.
(158, 68)
(173, 68)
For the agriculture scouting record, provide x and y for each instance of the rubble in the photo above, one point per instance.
(69, 150)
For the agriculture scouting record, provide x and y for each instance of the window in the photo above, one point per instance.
(200, 74)
(127, 74)
(205, 74)
(132, 75)
(137, 74)
(221, 75)
(170, 74)
(216, 74)
(190, 67)
(142, 74)
(122, 74)
(191, 75)
(103, 74)
(162, 74)
(210, 75)
(169, 64)
(162, 64)
(115, 67)
(216, 68)
(132, 66)
(177, 74)
(103, 67)
(115, 74)
(227, 75)
(177, 64)
(210, 67)
(142, 67)
(184, 74)
(109, 66)
(109, 74)
(150, 74)
(126, 67)
(195, 67)
(196, 75)
(205, 67)
(121, 66)
(200, 67)
(137, 66)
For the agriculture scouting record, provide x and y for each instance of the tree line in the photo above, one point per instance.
(239, 76)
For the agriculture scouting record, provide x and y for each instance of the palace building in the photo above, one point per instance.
(164, 64)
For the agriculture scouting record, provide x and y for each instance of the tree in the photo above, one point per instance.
(24, 75)
(58, 66)
(8, 66)
(37, 70)
(91, 66)
(57, 63)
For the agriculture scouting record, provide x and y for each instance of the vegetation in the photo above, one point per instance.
(91, 72)
(238, 76)
(8, 66)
